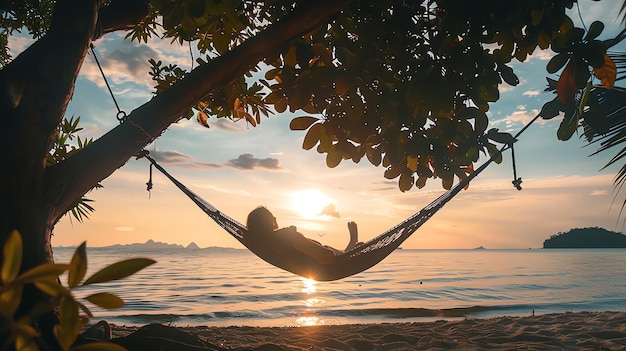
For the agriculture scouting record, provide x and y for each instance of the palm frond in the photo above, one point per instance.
(604, 123)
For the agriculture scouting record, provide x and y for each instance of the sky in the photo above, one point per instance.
(237, 167)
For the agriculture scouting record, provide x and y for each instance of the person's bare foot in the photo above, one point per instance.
(354, 235)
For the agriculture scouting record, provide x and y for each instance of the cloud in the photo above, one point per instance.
(243, 162)
(224, 190)
(531, 93)
(227, 125)
(127, 64)
(504, 87)
(384, 185)
(543, 55)
(175, 158)
(520, 116)
(249, 162)
(18, 43)
(330, 210)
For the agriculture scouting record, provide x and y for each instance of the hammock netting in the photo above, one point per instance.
(346, 264)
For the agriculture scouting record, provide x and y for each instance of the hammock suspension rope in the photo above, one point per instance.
(121, 115)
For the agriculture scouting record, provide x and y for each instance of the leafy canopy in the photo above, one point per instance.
(405, 84)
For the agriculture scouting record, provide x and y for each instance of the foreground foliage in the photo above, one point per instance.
(20, 331)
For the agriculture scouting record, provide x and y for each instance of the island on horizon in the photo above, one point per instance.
(586, 238)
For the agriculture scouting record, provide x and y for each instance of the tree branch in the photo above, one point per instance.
(121, 15)
(83, 171)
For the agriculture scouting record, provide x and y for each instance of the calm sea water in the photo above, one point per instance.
(234, 287)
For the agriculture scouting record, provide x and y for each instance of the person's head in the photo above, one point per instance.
(261, 220)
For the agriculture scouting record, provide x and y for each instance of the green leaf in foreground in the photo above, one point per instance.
(106, 300)
(44, 271)
(12, 257)
(119, 270)
(78, 266)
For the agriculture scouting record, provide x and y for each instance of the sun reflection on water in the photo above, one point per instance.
(312, 302)
(309, 321)
(309, 286)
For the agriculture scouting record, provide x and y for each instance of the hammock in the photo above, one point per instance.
(346, 264)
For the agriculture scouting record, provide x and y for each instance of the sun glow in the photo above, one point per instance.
(309, 203)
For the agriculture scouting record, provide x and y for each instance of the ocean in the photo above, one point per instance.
(232, 287)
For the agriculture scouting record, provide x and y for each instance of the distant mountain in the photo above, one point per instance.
(152, 245)
(192, 246)
(148, 245)
(586, 238)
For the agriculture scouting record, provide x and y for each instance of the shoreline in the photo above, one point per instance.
(554, 331)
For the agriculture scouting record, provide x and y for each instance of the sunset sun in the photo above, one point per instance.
(310, 202)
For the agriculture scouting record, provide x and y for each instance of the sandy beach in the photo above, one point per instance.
(563, 331)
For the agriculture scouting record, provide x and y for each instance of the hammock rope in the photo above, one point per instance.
(121, 115)
(350, 262)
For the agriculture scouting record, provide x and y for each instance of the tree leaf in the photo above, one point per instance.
(421, 182)
(557, 62)
(494, 153)
(568, 125)
(374, 155)
(10, 299)
(85, 310)
(595, 29)
(324, 54)
(312, 136)
(500, 137)
(203, 118)
(550, 109)
(78, 266)
(70, 323)
(290, 57)
(51, 287)
(333, 157)
(405, 183)
(447, 182)
(44, 271)
(302, 122)
(508, 75)
(343, 84)
(105, 300)
(12, 257)
(393, 171)
(607, 73)
(566, 88)
(281, 105)
(26, 329)
(25, 343)
(119, 270)
(411, 162)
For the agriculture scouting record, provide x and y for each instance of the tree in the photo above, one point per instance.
(406, 84)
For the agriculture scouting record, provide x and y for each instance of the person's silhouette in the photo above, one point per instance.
(264, 228)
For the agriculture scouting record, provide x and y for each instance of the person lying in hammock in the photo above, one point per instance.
(262, 226)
